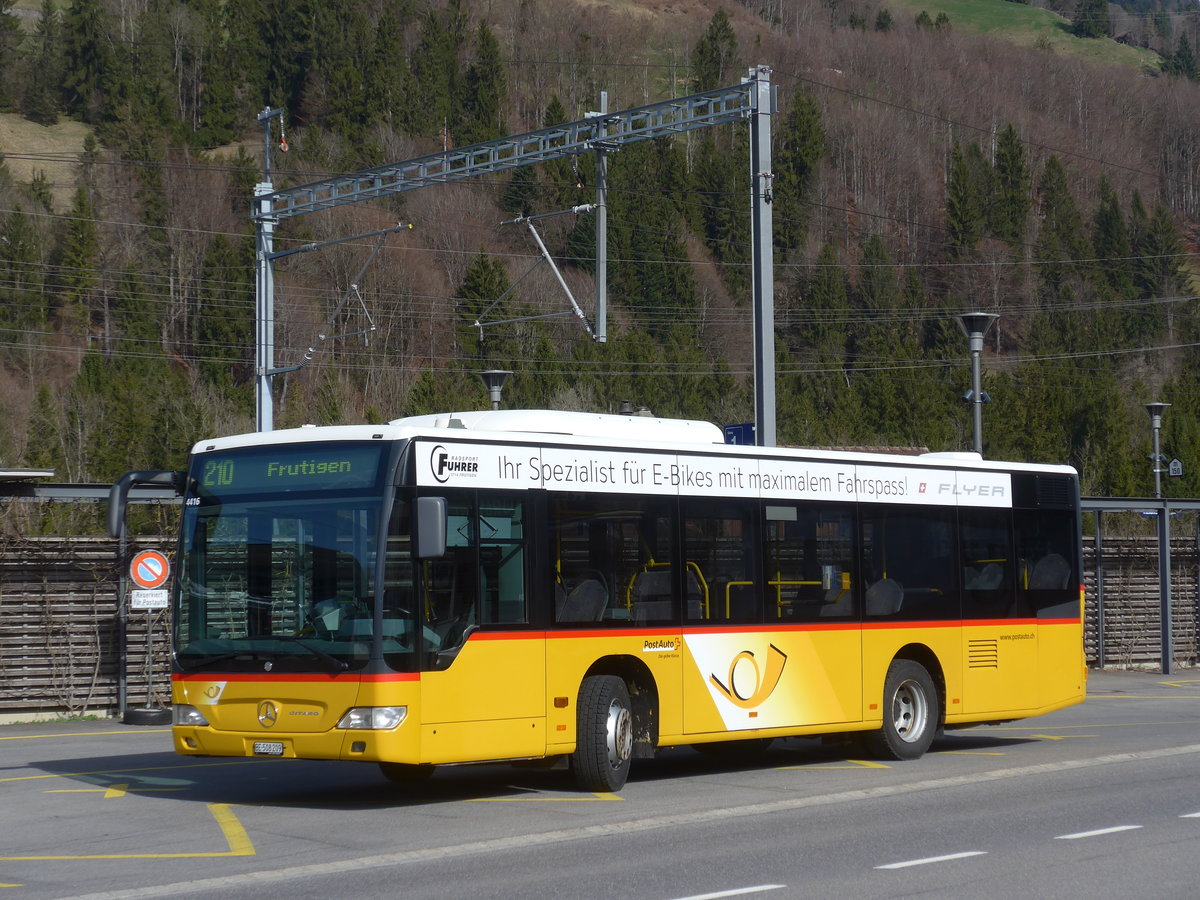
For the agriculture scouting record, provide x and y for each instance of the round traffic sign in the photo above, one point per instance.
(149, 569)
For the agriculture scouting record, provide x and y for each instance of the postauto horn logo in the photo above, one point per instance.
(747, 686)
(443, 464)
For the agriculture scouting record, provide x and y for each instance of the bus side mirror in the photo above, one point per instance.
(431, 518)
(118, 494)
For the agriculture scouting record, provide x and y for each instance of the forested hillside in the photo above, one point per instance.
(925, 164)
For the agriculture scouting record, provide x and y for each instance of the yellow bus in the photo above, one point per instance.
(569, 587)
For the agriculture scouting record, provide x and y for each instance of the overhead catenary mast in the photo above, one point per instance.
(601, 133)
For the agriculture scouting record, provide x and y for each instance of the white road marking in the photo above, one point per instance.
(736, 892)
(908, 863)
(1097, 833)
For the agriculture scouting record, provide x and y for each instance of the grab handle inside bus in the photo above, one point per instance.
(431, 519)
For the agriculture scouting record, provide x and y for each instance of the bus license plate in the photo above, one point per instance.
(268, 748)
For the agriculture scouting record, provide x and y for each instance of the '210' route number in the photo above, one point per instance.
(218, 473)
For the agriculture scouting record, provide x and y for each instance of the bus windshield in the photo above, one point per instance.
(278, 560)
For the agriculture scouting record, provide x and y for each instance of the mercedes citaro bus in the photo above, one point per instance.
(569, 587)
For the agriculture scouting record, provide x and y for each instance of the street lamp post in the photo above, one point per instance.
(494, 380)
(1156, 413)
(975, 325)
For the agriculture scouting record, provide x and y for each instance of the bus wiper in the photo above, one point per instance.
(205, 661)
(333, 662)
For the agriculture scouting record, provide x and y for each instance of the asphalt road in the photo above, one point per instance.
(1096, 801)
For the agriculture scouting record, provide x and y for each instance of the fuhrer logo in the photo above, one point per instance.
(747, 685)
(443, 464)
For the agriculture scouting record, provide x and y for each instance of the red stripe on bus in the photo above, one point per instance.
(308, 678)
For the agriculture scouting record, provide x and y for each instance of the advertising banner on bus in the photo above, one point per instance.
(517, 467)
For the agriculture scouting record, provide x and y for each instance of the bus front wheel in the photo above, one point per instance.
(910, 713)
(604, 734)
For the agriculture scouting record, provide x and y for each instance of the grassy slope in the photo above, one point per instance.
(1026, 26)
(20, 139)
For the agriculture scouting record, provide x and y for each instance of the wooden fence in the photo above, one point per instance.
(59, 630)
(59, 624)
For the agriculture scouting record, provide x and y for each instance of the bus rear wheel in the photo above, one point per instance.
(604, 734)
(910, 713)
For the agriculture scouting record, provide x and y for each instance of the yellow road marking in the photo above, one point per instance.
(971, 752)
(42, 737)
(854, 764)
(114, 790)
(1061, 737)
(235, 836)
(232, 762)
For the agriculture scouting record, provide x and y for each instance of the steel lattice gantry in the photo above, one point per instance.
(602, 132)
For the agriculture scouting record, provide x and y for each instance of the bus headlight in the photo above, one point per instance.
(188, 715)
(376, 718)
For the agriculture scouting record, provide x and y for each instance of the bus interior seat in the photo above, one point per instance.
(585, 602)
(988, 578)
(884, 597)
(650, 595)
(1051, 572)
(838, 602)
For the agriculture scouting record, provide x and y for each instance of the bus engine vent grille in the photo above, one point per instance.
(1054, 492)
(984, 654)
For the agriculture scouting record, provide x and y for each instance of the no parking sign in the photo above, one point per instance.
(149, 570)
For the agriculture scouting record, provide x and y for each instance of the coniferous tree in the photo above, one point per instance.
(964, 206)
(429, 106)
(24, 308)
(43, 84)
(385, 77)
(521, 192)
(824, 306)
(485, 296)
(1110, 241)
(1008, 212)
(724, 213)
(1160, 266)
(10, 42)
(484, 88)
(714, 57)
(801, 144)
(646, 234)
(86, 59)
(1183, 61)
(79, 258)
(222, 338)
(1061, 243)
(565, 180)
(345, 41)
(1091, 18)
(289, 45)
(877, 292)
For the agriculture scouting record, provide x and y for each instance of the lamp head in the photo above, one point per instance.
(1156, 410)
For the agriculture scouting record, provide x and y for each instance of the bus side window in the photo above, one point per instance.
(720, 538)
(1049, 580)
(502, 559)
(985, 537)
(809, 561)
(910, 562)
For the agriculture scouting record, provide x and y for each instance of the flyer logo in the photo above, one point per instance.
(747, 686)
(443, 464)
